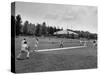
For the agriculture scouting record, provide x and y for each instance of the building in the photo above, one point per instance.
(66, 33)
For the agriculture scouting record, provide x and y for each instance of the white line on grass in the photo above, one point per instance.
(60, 48)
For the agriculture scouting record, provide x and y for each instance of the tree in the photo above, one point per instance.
(18, 24)
(51, 31)
(58, 29)
(44, 29)
(72, 36)
(25, 28)
(31, 29)
(38, 30)
(48, 29)
(54, 29)
(32, 26)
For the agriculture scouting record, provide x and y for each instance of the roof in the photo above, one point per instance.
(65, 32)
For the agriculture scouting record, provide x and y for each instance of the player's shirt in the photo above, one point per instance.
(85, 43)
(24, 47)
(36, 43)
(81, 41)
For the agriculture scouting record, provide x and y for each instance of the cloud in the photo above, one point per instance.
(78, 13)
(51, 16)
(69, 15)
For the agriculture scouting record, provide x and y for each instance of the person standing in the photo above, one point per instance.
(36, 44)
(61, 44)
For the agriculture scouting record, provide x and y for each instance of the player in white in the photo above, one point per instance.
(81, 42)
(61, 44)
(24, 48)
(94, 43)
(85, 43)
(36, 44)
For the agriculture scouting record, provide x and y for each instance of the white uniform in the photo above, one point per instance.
(61, 44)
(36, 44)
(24, 48)
(85, 43)
(81, 42)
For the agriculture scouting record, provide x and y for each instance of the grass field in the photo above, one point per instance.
(67, 59)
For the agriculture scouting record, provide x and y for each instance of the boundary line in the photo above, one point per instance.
(59, 48)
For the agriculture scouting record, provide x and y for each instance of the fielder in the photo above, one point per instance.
(36, 44)
(94, 43)
(85, 43)
(61, 44)
(81, 42)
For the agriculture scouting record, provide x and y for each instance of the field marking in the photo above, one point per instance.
(59, 48)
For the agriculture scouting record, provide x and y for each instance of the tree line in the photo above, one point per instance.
(32, 29)
(43, 30)
(85, 34)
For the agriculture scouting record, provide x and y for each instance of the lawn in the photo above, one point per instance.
(68, 59)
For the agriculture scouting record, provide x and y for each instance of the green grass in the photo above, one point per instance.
(82, 58)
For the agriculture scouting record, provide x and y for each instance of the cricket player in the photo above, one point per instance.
(81, 42)
(94, 43)
(24, 48)
(85, 43)
(61, 44)
(36, 44)
(24, 40)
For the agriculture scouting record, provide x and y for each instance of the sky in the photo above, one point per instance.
(74, 17)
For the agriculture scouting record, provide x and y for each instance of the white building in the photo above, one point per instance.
(65, 32)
